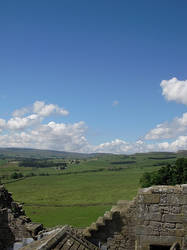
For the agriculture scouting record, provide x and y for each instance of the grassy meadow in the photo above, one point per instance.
(82, 192)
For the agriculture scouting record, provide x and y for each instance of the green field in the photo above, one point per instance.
(74, 195)
(82, 192)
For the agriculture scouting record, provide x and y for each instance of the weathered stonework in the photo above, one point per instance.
(61, 238)
(14, 224)
(157, 217)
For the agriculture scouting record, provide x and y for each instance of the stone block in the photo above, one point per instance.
(179, 232)
(184, 188)
(151, 198)
(162, 240)
(146, 223)
(175, 199)
(164, 209)
(164, 199)
(154, 208)
(185, 240)
(34, 228)
(144, 248)
(156, 225)
(142, 230)
(152, 217)
(176, 209)
(168, 232)
(185, 199)
(178, 218)
(185, 219)
(163, 189)
(179, 226)
(169, 225)
(145, 190)
(184, 209)
(185, 227)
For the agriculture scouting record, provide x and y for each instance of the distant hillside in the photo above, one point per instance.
(38, 153)
(182, 153)
(156, 153)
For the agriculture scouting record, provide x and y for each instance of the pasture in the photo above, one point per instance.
(82, 192)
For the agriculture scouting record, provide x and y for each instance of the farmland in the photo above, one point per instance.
(84, 190)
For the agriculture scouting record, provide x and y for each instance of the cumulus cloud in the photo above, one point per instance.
(27, 128)
(2, 124)
(29, 116)
(42, 109)
(71, 137)
(38, 106)
(172, 90)
(175, 90)
(17, 123)
(116, 146)
(20, 112)
(168, 130)
(57, 136)
(179, 144)
(46, 110)
(119, 146)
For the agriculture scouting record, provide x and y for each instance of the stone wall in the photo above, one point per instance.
(14, 224)
(161, 217)
(157, 217)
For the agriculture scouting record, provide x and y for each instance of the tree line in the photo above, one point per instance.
(166, 175)
(41, 164)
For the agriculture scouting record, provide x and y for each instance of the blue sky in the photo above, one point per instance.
(87, 75)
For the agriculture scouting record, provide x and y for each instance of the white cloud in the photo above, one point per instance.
(30, 131)
(175, 90)
(27, 128)
(172, 90)
(168, 130)
(71, 137)
(2, 123)
(116, 146)
(179, 144)
(57, 136)
(38, 106)
(119, 146)
(27, 117)
(17, 123)
(46, 110)
(20, 112)
(42, 109)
